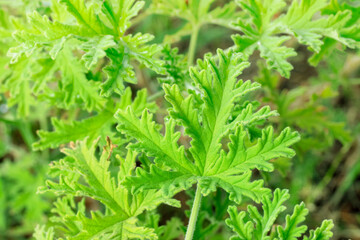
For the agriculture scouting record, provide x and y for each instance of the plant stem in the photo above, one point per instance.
(194, 214)
(193, 41)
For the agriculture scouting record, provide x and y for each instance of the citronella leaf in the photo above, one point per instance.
(207, 121)
(76, 84)
(292, 231)
(83, 174)
(276, 55)
(271, 210)
(92, 127)
(263, 30)
(120, 69)
(142, 52)
(86, 16)
(95, 49)
(156, 178)
(245, 228)
(120, 12)
(19, 86)
(175, 66)
(99, 226)
(254, 225)
(237, 222)
(67, 131)
(236, 185)
(323, 232)
(100, 185)
(134, 232)
(164, 148)
(98, 30)
(248, 116)
(42, 234)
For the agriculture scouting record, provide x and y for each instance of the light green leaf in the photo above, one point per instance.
(19, 86)
(253, 225)
(164, 148)
(262, 29)
(95, 49)
(207, 123)
(236, 185)
(169, 182)
(292, 231)
(81, 173)
(323, 232)
(86, 16)
(75, 83)
(42, 234)
(93, 127)
(276, 55)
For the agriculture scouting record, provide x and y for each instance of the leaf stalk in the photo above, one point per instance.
(194, 214)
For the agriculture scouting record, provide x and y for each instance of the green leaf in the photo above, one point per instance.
(99, 226)
(169, 182)
(323, 232)
(144, 53)
(100, 185)
(276, 55)
(120, 69)
(120, 12)
(253, 225)
(76, 84)
(271, 210)
(207, 122)
(262, 29)
(42, 234)
(19, 86)
(236, 221)
(175, 66)
(236, 185)
(95, 49)
(97, 28)
(81, 173)
(92, 127)
(292, 231)
(67, 131)
(152, 142)
(86, 16)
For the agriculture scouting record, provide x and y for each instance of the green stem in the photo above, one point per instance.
(194, 214)
(193, 41)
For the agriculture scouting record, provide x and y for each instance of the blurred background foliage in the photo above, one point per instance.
(322, 103)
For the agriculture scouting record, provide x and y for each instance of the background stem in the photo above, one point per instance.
(192, 47)
(194, 214)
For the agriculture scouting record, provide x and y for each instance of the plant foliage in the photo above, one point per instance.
(205, 162)
(104, 129)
